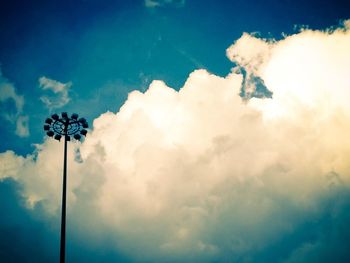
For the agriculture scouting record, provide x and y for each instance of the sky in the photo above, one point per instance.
(219, 130)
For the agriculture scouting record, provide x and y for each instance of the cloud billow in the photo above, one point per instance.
(197, 175)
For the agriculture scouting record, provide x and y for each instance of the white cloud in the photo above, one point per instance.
(59, 93)
(198, 175)
(8, 94)
(250, 52)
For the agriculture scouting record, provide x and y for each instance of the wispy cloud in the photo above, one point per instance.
(22, 126)
(160, 3)
(59, 93)
(13, 114)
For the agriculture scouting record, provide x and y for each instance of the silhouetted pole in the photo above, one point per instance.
(57, 127)
(63, 216)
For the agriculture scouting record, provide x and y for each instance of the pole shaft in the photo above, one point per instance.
(63, 217)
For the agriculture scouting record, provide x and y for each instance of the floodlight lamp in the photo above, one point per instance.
(48, 121)
(82, 120)
(55, 117)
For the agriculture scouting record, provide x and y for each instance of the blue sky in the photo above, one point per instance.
(100, 51)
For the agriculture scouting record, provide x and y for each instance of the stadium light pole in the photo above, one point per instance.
(67, 127)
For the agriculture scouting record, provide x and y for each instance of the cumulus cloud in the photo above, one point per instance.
(57, 93)
(200, 175)
(11, 105)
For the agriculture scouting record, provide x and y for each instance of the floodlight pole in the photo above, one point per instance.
(67, 127)
(64, 193)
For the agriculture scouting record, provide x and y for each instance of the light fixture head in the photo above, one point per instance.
(66, 126)
(55, 117)
(82, 120)
(48, 121)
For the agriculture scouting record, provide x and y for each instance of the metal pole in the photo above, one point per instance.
(69, 127)
(63, 217)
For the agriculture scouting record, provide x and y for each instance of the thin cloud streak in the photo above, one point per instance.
(15, 114)
(59, 96)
